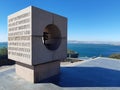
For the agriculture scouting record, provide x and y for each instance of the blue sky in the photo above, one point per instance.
(88, 20)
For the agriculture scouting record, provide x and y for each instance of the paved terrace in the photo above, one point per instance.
(94, 74)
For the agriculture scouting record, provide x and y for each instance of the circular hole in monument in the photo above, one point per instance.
(51, 37)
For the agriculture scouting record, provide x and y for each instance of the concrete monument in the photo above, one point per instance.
(37, 41)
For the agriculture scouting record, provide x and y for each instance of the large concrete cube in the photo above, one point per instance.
(36, 36)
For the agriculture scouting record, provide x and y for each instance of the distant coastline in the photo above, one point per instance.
(86, 42)
(117, 43)
(3, 42)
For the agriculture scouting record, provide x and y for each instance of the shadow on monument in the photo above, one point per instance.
(86, 77)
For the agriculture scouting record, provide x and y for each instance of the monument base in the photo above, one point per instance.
(39, 72)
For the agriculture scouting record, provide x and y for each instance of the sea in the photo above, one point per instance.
(3, 44)
(94, 50)
(89, 50)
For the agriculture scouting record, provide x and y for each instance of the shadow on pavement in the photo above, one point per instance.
(86, 77)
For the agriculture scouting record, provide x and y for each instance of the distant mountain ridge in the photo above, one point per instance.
(89, 42)
(3, 42)
(95, 42)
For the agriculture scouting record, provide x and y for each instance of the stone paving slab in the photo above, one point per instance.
(10, 81)
(96, 74)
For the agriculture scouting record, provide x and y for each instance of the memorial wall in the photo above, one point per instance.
(19, 36)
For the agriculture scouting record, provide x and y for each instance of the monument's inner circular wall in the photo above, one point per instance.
(51, 37)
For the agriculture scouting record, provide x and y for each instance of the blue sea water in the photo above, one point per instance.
(3, 44)
(94, 50)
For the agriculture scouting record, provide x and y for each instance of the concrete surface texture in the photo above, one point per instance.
(39, 72)
(10, 81)
(100, 72)
(95, 74)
